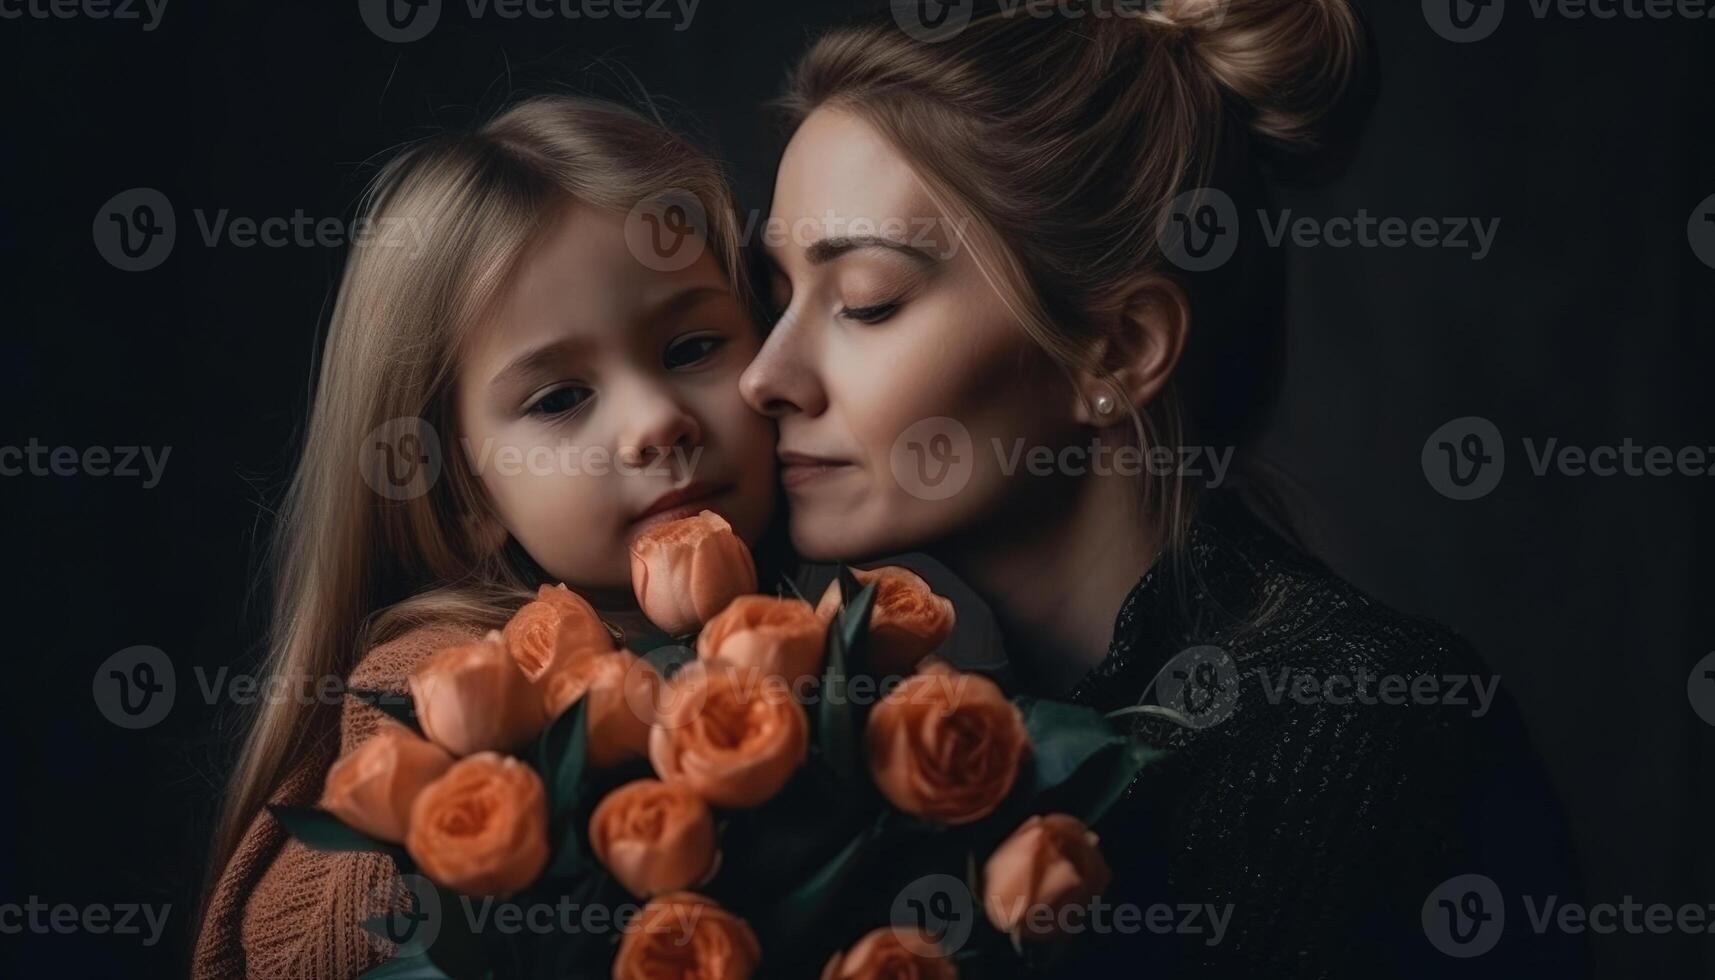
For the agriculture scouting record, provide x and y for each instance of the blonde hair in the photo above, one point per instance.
(351, 567)
(1061, 145)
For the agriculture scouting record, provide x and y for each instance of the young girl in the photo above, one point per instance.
(522, 372)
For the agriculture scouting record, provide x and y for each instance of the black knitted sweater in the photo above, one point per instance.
(1310, 805)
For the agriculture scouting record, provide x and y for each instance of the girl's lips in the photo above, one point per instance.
(688, 501)
(672, 514)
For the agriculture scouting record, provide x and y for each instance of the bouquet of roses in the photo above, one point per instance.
(768, 787)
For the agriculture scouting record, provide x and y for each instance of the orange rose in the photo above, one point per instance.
(684, 935)
(732, 737)
(687, 570)
(482, 828)
(907, 622)
(901, 952)
(557, 626)
(777, 637)
(621, 688)
(654, 837)
(473, 697)
(945, 746)
(372, 787)
(1051, 862)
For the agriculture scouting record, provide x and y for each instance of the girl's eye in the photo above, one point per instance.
(688, 351)
(560, 401)
(874, 313)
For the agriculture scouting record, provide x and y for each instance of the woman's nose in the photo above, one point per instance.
(785, 378)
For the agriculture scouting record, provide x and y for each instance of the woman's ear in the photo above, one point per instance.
(1136, 354)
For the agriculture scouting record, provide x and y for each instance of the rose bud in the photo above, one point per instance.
(890, 952)
(621, 688)
(687, 570)
(1050, 863)
(945, 746)
(730, 736)
(775, 637)
(482, 828)
(473, 697)
(654, 837)
(684, 935)
(906, 623)
(558, 625)
(372, 787)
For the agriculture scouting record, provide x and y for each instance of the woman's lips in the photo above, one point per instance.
(799, 469)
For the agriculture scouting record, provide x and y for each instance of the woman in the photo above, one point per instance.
(951, 390)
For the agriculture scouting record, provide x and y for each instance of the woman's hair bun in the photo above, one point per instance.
(1287, 61)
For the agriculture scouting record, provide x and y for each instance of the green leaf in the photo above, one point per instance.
(669, 657)
(395, 705)
(418, 967)
(852, 623)
(320, 830)
(560, 755)
(796, 915)
(1129, 760)
(1063, 737)
(837, 718)
(645, 640)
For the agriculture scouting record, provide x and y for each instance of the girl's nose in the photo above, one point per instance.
(657, 424)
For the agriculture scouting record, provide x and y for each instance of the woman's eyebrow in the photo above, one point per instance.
(828, 249)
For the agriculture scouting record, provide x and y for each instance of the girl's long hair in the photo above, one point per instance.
(368, 543)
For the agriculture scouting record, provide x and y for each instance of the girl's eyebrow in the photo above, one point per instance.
(683, 300)
(533, 361)
(538, 359)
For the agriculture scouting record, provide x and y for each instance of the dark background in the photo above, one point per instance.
(1589, 322)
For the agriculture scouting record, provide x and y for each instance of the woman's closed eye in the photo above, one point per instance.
(872, 313)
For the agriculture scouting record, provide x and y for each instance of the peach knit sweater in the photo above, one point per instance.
(281, 910)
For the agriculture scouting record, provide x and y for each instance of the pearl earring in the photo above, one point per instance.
(1104, 404)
